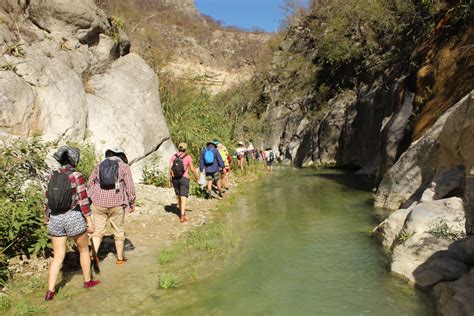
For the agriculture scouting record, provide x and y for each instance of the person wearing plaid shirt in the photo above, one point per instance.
(75, 222)
(109, 205)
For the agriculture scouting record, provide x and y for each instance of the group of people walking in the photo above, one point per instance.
(76, 209)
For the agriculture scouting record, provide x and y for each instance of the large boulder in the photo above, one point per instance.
(423, 253)
(124, 109)
(65, 80)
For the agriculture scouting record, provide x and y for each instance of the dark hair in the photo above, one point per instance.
(181, 149)
(122, 156)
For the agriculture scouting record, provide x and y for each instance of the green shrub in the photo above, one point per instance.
(5, 302)
(22, 171)
(168, 281)
(89, 158)
(440, 229)
(152, 175)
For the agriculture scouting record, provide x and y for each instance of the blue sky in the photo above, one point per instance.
(265, 14)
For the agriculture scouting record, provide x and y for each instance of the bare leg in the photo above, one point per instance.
(59, 248)
(182, 208)
(119, 244)
(83, 245)
(96, 241)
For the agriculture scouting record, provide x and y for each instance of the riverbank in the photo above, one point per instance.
(154, 236)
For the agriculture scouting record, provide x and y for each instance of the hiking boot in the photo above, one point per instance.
(91, 283)
(49, 296)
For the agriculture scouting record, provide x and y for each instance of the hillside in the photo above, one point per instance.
(180, 43)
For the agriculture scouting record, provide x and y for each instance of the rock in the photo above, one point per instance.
(429, 194)
(124, 109)
(456, 298)
(330, 128)
(405, 181)
(423, 255)
(425, 215)
(81, 18)
(388, 231)
(17, 100)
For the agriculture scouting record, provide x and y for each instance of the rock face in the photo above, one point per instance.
(434, 157)
(66, 75)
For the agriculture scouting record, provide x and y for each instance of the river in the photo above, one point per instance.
(307, 250)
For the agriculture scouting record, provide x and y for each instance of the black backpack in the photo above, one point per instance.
(108, 174)
(178, 167)
(59, 193)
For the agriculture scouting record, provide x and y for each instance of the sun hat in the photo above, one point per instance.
(117, 151)
(73, 154)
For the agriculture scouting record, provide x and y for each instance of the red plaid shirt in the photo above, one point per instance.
(78, 187)
(112, 198)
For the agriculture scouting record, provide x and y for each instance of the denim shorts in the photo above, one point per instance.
(70, 223)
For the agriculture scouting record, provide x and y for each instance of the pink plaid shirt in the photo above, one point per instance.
(111, 198)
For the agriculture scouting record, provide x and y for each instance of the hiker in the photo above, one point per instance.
(240, 153)
(112, 192)
(269, 159)
(224, 173)
(211, 162)
(180, 164)
(68, 214)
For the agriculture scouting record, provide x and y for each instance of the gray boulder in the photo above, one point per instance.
(124, 109)
(429, 230)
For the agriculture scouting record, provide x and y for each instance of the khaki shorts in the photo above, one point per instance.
(102, 215)
(213, 176)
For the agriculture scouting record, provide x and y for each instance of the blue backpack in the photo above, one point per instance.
(209, 156)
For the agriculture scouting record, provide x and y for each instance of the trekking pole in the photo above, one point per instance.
(94, 258)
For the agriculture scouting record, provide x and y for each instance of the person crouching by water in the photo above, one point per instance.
(180, 164)
(112, 192)
(211, 162)
(68, 214)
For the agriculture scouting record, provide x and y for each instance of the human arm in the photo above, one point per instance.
(129, 188)
(220, 162)
(83, 201)
(193, 170)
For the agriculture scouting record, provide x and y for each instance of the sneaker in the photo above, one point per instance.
(49, 296)
(91, 283)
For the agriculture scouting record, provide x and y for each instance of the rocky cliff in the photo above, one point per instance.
(66, 74)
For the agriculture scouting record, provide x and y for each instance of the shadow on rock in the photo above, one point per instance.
(447, 273)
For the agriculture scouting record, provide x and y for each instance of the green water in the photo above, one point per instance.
(306, 251)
